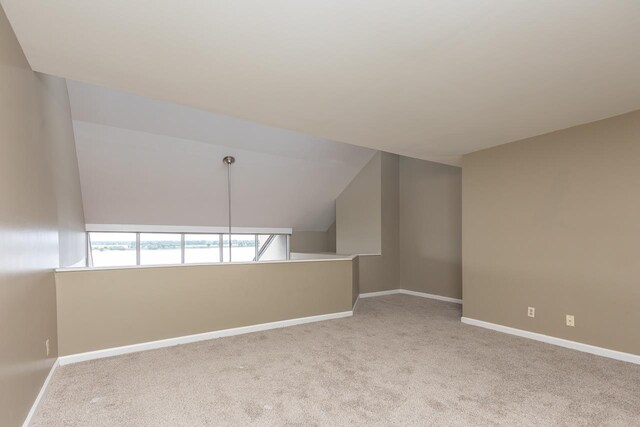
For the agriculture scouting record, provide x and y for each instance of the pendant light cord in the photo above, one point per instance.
(229, 160)
(229, 200)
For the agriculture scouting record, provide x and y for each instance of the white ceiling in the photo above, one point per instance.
(425, 78)
(143, 161)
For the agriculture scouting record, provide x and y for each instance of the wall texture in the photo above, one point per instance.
(331, 238)
(367, 222)
(34, 123)
(314, 242)
(380, 273)
(309, 241)
(355, 281)
(358, 214)
(100, 309)
(552, 222)
(430, 227)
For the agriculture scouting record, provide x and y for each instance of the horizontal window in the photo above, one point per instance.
(241, 248)
(160, 248)
(113, 249)
(272, 247)
(199, 248)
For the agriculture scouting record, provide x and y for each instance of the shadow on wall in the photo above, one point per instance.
(314, 242)
(403, 216)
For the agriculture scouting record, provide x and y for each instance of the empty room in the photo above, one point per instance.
(319, 213)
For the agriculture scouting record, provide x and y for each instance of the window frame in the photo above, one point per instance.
(136, 241)
(183, 231)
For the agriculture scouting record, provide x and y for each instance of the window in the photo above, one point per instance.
(272, 247)
(160, 248)
(112, 249)
(225, 248)
(201, 248)
(243, 247)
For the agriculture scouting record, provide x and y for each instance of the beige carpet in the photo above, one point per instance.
(401, 360)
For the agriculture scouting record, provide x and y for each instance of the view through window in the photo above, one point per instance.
(243, 247)
(160, 248)
(201, 248)
(112, 249)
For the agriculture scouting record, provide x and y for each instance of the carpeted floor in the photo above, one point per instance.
(401, 360)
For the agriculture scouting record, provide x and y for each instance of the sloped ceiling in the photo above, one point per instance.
(143, 161)
(431, 79)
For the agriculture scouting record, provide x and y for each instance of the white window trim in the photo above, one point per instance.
(140, 228)
(115, 228)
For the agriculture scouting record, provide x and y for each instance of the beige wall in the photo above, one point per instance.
(430, 227)
(380, 273)
(552, 222)
(355, 281)
(367, 222)
(32, 109)
(309, 241)
(358, 214)
(418, 206)
(100, 309)
(331, 238)
(314, 242)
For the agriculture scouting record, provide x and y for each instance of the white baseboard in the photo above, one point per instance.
(379, 294)
(41, 395)
(169, 342)
(408, 292)
(431, 296)
(355, 304)
(586, 348)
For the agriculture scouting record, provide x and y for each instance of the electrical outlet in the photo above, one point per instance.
(531, 312)
(571, 321)
(46, 344)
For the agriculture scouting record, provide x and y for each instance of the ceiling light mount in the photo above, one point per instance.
(229, 160)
